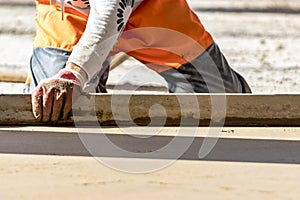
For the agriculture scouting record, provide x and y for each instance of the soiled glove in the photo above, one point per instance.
(52, 98)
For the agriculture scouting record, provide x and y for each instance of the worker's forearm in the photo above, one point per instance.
(104, 26)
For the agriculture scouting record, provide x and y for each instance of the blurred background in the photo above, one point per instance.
(261, 40)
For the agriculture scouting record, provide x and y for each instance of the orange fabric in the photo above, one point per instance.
(164, 34)
(160, 33)
(52, 31)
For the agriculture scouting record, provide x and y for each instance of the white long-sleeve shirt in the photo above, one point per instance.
(106, 21)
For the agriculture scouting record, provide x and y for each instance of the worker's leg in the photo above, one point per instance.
(46, 62)
(208, 73)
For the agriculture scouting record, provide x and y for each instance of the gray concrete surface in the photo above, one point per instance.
(52, 163)
(234, 144)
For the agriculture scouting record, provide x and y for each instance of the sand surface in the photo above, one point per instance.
(29, 176)
(53, 177)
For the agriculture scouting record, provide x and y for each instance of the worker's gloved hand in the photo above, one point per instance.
(52, 98)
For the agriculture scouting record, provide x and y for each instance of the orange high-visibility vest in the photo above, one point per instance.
(164, 34)
(52, 31)
(159, 33)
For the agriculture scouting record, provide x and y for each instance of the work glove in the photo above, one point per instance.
(52, 98)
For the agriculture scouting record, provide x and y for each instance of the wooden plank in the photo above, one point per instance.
(181, 109)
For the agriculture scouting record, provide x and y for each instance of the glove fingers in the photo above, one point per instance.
(52, 98)
(57, 105)
(47, 103)
(37, 100)
(68, 103)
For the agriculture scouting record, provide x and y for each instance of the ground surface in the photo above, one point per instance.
(52, 177)
(41, 176)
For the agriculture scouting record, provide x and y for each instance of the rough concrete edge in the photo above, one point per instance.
(16, 109)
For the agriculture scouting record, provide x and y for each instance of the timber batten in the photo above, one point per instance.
(167, 109)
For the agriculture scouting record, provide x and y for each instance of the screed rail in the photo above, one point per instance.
(167, 109)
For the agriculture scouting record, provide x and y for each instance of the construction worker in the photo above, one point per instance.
(55, 39)
(75, 40)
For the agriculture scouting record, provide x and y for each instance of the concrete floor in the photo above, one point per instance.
(264, 165)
